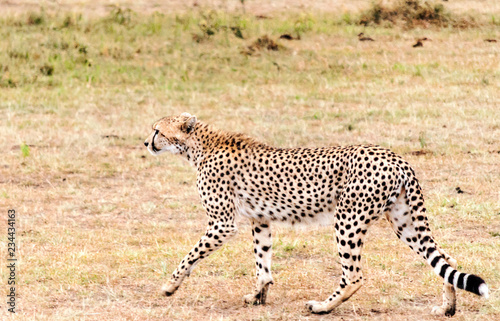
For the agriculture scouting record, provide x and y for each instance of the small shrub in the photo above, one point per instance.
(265, 43)
(47, 70)
(82, 49)
(422, 138)
(210, 24)
(495, 21)
(68, 22)
(262, 43)
(7, 83)
(36, 18)
(303, 24)
(237, 32)
(19, 54)
(412, 13)
(120, 16)
(154, 24)
(347, 18)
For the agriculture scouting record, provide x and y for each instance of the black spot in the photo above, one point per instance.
(426, 238)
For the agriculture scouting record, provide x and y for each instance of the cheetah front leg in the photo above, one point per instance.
(262, 248)
(216, 235)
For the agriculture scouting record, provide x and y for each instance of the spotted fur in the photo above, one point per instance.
(351, 187)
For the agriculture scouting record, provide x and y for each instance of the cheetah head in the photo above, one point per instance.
(170, 134)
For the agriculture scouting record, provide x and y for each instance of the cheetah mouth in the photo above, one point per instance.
(153, 147)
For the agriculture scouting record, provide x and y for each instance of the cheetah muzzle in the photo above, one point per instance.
(351, 187)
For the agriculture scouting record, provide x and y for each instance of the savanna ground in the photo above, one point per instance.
(102, 224)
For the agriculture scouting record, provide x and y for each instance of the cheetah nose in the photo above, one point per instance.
(146, 144)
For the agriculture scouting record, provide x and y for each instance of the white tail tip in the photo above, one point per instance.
(483, 291)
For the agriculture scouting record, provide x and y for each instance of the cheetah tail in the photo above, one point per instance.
(464, 281)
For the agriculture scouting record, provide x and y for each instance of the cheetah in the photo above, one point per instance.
(351, 187)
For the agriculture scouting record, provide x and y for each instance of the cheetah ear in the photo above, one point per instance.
(186, 115)
(189, 124)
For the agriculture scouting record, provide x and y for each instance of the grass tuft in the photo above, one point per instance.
(47, 70)
(25, 150)
(121, 16)
(36, 18)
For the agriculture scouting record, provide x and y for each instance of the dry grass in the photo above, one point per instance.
(103, 223)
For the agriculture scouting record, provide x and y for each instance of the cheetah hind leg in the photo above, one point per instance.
(349, 244)
(406, 229)
(449, 299)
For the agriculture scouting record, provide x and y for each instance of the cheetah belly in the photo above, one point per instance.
(283, 210)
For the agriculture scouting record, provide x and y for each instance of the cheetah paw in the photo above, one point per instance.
(255, 299)
(317, 307)
(169, 289)
(251, 299)
(258, 297)
(446, 311)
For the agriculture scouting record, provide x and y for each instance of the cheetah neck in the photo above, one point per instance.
(206, 140)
